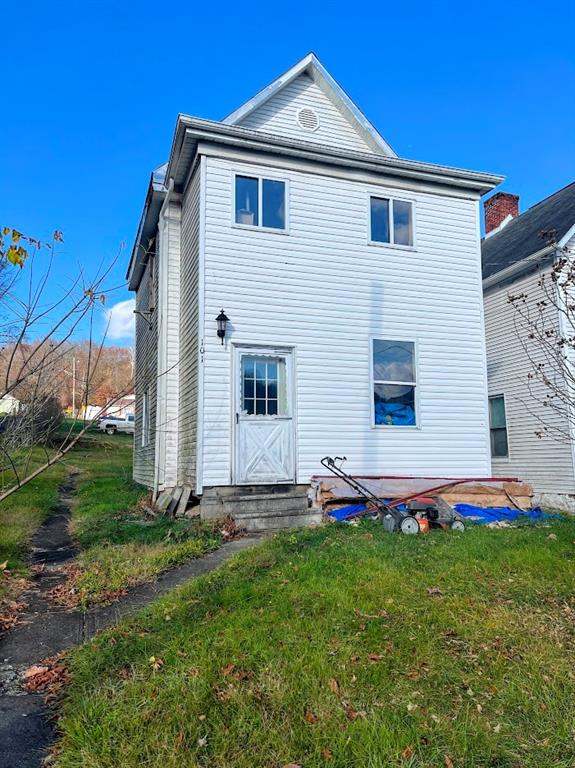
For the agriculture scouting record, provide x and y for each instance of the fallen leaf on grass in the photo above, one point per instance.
(156, 663)
(310, 716)
(434, 591)
(353, 714)
(407, 753)
(327, 754)
(448, 762)
(374, 657)
(228, 669)
(4, 565)
(333, 685)
(292, 765)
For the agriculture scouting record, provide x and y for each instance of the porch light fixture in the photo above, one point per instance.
(221, 320)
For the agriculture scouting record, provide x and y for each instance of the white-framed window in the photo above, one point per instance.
(260, 202)
(391, 221)
(498, 427)
(145, 419)
(394, 383)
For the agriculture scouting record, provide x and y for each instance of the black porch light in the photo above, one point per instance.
(221, 320)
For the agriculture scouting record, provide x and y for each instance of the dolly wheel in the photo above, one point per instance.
(457, 525)
(409, 525)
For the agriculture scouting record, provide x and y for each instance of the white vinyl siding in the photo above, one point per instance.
(189, 331)
(323, 290)
(168, 321)
(546, 462)
(145, 365)
(279, 115)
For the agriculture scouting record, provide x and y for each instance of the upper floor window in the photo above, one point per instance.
(498, 427)
(260, 202)
(394, 383)
(391, 221)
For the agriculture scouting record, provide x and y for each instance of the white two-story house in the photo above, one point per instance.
(302, 291)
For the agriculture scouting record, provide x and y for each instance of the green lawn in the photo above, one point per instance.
(344, 647)
(20, 515)
(119, 548)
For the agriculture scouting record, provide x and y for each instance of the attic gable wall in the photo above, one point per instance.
(278, 116)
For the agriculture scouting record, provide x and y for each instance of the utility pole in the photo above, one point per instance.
(74, 387)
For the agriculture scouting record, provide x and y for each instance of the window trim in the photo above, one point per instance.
(392, 337)
(260, 178)
(391, 198)
(507, 456)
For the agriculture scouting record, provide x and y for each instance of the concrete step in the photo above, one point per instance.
(278, 522)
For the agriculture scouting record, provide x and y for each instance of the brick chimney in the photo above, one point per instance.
(498, 207)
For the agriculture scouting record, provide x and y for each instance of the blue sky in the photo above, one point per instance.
(92, 89)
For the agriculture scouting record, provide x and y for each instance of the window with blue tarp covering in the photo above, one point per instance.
(394, 383)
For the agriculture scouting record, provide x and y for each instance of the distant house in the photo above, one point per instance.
(122, 408)
(303, 291)
(9, 405)
(517, 252)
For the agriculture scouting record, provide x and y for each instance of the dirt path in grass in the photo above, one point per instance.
(26, 728)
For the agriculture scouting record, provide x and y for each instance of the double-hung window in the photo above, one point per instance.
(391, 221)
(394, 383)
(498, 427)
(260, 202)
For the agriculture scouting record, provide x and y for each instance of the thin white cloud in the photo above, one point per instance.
(120, 320)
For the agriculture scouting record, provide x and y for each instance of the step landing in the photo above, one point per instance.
(260, 507)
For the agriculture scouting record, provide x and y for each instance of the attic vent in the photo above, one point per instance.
(308, 119)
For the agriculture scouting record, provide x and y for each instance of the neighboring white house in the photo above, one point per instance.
(351, 283)
(9, 405)
(122, 408)
(528, 439)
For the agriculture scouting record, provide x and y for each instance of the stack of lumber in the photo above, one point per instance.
(332, 492)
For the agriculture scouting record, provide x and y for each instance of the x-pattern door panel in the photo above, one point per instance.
(264, 422)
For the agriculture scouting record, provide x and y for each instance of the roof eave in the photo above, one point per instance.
(196, 129)
(148, 222)
(513, 271)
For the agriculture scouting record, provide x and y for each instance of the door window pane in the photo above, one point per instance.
(273, 204)
(402, 223)
(380, 219)
(264, 386)
(246, 200)
(393, 360)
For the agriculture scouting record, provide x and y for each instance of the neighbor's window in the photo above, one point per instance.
(391, 221)
(394, 382)
(260, 202)
(498, 427)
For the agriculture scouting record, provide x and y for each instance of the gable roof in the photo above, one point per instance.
(521, 238)
(311, 66)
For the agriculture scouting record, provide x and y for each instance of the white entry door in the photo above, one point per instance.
(264, 441)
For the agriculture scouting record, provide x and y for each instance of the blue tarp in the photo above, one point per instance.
(344, 512)
(497, 514)
(478, 515)
(394, 413)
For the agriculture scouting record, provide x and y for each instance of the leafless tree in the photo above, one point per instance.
(38, 329)
(545, 327)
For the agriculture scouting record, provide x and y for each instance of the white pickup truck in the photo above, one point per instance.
(112, 424)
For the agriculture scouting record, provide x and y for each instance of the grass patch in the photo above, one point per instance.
(119, 548)
(344, 647)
